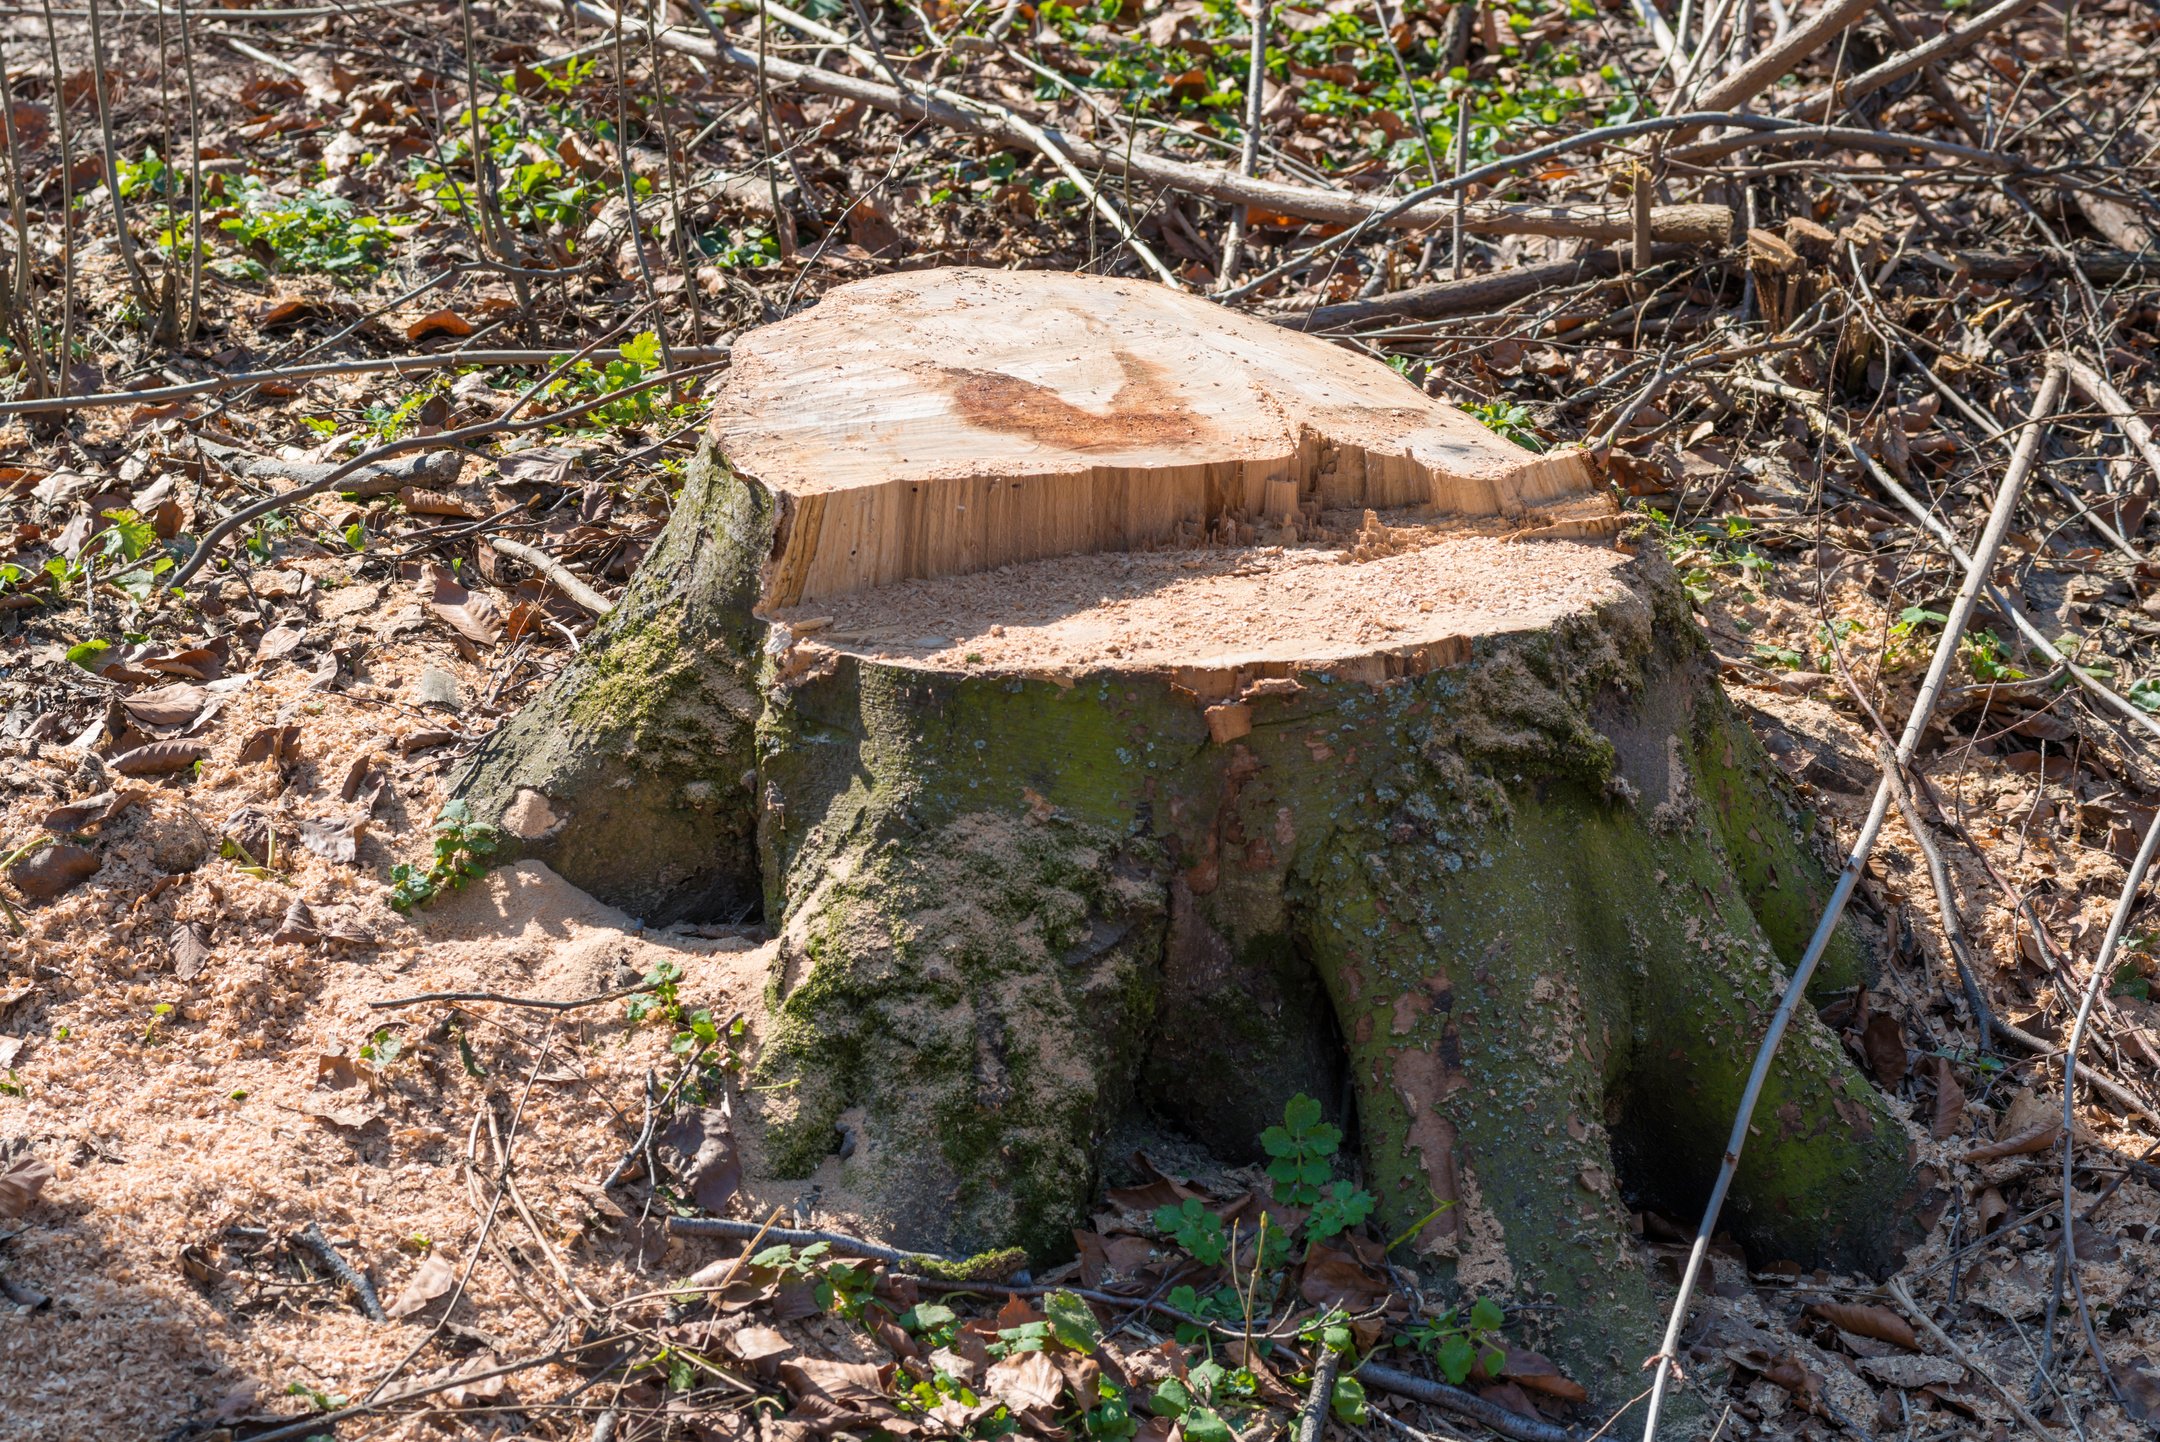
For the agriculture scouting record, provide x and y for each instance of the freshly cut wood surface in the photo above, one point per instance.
(941, 422)
(1361, 602)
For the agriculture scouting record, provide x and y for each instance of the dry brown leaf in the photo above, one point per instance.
(1864, 1320)
(433, 1278)
(1949, 1098)
(1025, 1382)
(190, 949)
(160, 758)
(52, 870)
(1882, 1041)
(2037, 1137)
(21, 1179)
(298, 925)
(471, 613)
(1537, 1372)
(2140, 1385)
(441, 322)
(90, 811)
(175, 704)
(331, 840)
(699, 1147)
(271, 743)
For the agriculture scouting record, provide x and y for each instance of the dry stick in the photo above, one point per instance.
(556, 572)
(1464, 1404)
(629, 185)
(1913, 1310)
(1767, 130)
(1821, 105)
(313, 1239)
(492, 225)
(533, 1003)
(1249, 152)
(1058, 151)
(1946, 649)
(195, 196)
(1312, 1417)
(840, 1242)
(2124, 905)
(137, 281)
(1699, 223)
(219, 532)
(1462, 192)
(67, 208)
(1766, 69)
(1953, 925)
(315, 370)
(2096, 388)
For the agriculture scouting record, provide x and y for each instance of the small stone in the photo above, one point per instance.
(439, 688)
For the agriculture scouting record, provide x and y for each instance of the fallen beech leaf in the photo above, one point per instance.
(249, 830)
(1537, 1373)
(1993, 1210)
(471, 613)
(271, 743)
(1025, 1382)
(298, 925)
(840, 1382)
(190, 949)
(171, 705)
(1863, 1320)
(2036, 1138)
(441, 322)
(160, 758)
(90, 811)
(2140, 1385)
(1949, 1098)
(422, 740)
(332, 840)
(52, 870)
(279, 642)
(434, 1278)
(1882, 1041)
(20, 1182)
(435, 503)
(699, 1147)
(353, 1115)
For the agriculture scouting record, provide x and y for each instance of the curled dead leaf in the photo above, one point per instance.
(441, 322)
(21, 1179)
(160, 758)
(90, 811)
(53, 870)
(1863, 1320)
(432, 1279)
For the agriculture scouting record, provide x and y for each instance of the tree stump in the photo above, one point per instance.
(1116, 702)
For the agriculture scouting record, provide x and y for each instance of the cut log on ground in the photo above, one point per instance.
(1121, 707)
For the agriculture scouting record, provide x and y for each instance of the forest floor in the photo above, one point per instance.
(210, 798)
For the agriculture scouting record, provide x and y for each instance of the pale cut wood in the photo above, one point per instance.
(936, 423)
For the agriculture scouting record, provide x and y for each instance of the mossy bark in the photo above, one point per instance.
(1536, 906)
(633, 775)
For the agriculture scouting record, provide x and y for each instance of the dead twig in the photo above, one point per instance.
(556, 572)
(311, 1237)
(1946, 650)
